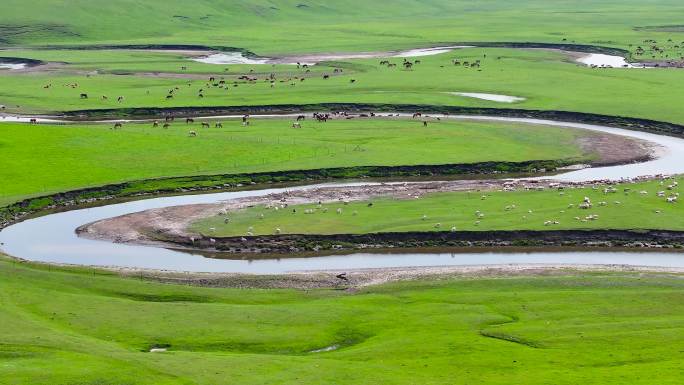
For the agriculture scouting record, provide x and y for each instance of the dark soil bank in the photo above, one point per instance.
(297, 243)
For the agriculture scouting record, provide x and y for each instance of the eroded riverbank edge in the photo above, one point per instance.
(357, 279)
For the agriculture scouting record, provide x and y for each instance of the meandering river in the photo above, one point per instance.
(52, 238)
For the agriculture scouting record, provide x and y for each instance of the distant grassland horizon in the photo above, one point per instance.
(286, 26)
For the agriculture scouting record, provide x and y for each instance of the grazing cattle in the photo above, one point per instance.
(218, 125)
(326, 76)
(205, 125)
(352, 80)
(425, 123)
(301, 117)
(120, 99)
(342, 276)
(84, 96)
(417, 115)
(189, 120)
(33, 121)
(166, 125)
(155, 124)
(169, 97)
(192, 134)
(296, 125)
(322, 117)
(168, 119)
(104, 97)
(118, 125)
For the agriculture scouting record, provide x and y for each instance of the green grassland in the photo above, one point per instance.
(549, 81)
(43, 159)
(498, 210)
(68, 326)
(280, 26)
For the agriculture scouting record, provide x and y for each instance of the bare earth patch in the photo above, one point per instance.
(357, 279)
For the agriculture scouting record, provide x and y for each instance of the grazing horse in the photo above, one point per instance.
(166, 125)
(192, 133)
(189, 120)
(296, 125)
(205, 125)
(117, 125)
(84, 96)
(301, 117)
(342, 276)
(417, 115)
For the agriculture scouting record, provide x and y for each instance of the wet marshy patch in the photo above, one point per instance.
(344, 338)
(16, 63)
(157, 348)
(151, 297)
